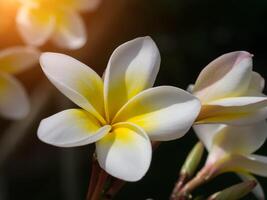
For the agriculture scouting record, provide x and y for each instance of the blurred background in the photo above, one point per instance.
(189, 34)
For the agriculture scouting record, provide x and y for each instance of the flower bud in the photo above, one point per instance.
(192, 161)
(234, 192)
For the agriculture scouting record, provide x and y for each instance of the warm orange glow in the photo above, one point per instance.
(8, 12)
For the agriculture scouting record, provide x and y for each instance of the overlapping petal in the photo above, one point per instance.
(165, 112)
(227, 76)
(222, 139)
(35, 25)
(70, 31)
(250, 138)
(76, 80)
(253, 163)
(235, 110)
(256, 85)
(73, 127)
(14, 103)
(207, 132)
(125, 152)
(17, 59)
(132, 68)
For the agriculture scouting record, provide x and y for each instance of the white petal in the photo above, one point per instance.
(18, 59)
(250, 138)
(254, 164)
(190, 88)
(14, 102)
(70, 32)
(76, 80)
(237, 101)
(69, 128)
(207, 132)
(165, 112)
(132, 68)
(235, 111)
(227, 76)
(258, 190)
(256, 85)
(35, 25)
(125, 153)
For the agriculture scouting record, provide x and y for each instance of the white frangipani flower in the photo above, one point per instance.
(230, 92)
(120, 113)
(14, 103)
(231, 147)
(41, 20)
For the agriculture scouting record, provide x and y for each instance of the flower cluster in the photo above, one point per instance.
(232, 121)
(122, 112)
(37, 22)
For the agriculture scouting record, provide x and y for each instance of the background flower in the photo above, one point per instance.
(41, 20)
(14, 103)
(230, 92)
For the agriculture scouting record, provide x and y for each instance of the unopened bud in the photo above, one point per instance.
(192, 161)
(234, 192)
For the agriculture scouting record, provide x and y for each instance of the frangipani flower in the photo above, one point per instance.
(40, 20)
(120, 113)
(230, 92)
(14, 103)
(231, 149)
(232, 122)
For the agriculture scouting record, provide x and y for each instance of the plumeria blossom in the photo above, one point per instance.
(14, 103)
(41, 20)
(232, 123)
(120, 112)
(230, 91)
(231, 149)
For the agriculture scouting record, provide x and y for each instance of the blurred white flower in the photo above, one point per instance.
(120, 113)
(14, 103)
(58, 20)
(230, 92)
